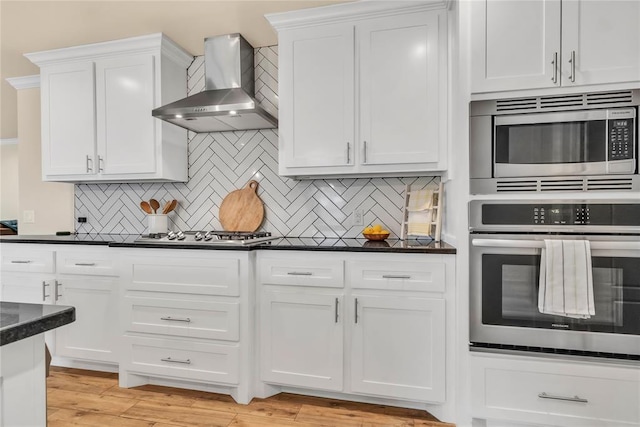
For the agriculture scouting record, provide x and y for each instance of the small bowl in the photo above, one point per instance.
(376, 237)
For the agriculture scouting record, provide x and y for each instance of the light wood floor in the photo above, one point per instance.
(86, 398)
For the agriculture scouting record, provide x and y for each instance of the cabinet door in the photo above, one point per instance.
(398, 347)
(68, 120)
(399, 68)
(301, 339)
(29, 288)
(93, 335)
(317, 97)
(514, 44)
(125, 127)
(600, 42)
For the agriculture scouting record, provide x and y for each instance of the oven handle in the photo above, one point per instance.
(539, 244)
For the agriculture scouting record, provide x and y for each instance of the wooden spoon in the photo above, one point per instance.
(155, 205)
(146, 207)
(170, 206)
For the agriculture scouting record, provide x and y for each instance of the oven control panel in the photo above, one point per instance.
(560, 214)
(554, 215)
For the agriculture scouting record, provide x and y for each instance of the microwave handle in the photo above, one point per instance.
(539, 244)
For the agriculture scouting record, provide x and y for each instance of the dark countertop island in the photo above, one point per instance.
(20, 320)
(283, 243)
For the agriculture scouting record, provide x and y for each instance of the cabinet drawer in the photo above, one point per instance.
(401, 276)
(204, 276)
(29, 260)
(182, 359)
(189, 319)
(87, 263)
(312, 271)
(555, 393)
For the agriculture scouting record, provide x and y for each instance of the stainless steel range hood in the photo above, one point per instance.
(227, 103)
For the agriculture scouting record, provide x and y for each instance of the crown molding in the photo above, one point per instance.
(8, 141)
(350, 11)
(151, 43)
(26, 82)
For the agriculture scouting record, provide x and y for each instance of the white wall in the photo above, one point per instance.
(8, 181)
(52, 203)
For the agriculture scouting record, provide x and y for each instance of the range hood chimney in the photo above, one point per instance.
(228, 102)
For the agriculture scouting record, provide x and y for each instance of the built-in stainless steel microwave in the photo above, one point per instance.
(577, 142)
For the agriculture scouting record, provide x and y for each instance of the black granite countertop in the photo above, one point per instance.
(283, 243)
(21, 320)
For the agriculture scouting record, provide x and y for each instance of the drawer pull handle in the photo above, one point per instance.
(336, 319)
(44, 290)
(544, 395)
(300, 273)
(170, 360)
(392, 276)
(20, 261)
(176, 319)
(85, 264)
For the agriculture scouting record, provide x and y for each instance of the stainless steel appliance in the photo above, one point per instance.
(215, 238)
(228, 102)
(506, 241)
(578, 142)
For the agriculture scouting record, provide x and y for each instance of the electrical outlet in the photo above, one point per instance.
(29, 217)
(358, 217)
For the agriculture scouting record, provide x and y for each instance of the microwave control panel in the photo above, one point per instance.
(621, 139)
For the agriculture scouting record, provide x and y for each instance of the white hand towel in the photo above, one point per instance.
(420, 213)
(566, 280)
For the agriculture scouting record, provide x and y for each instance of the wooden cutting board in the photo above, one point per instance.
(242, 210)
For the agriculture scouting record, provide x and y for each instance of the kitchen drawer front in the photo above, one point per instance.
(188, 319)
(93, 263)
(28, 260)
(313, 270)
(182, 359)
(398, 275)
(558, 394)
(205, 276)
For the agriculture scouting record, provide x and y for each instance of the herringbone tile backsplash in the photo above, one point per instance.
(221, 162)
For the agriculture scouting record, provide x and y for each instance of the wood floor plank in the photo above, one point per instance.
(88, 398)
(86, 418)
(169, 396)
(348, 417)
(179, 415)
(257, 407)
(88, 402)
(80, 383)
(246, 420)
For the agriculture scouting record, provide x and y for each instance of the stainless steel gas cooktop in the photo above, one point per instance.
(221, 238)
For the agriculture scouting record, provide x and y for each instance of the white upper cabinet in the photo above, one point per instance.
(363, 89)
(553, 43)
(68, 119)
(600, 41)
(96, 111)
(125, 94)
(316, 78)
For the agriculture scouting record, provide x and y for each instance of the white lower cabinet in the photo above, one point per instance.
(398, 347)
(377, 330)
(186, 320)
(80, 276)
(507, 390)
(93, 336)
(302, 333)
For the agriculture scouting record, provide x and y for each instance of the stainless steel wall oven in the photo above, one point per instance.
(576, 142)
(506, 242)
